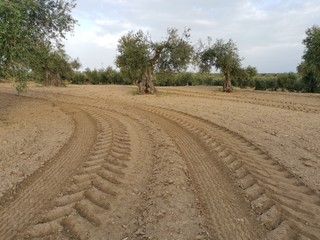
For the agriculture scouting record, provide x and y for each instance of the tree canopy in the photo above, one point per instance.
(310, 66)
(53, 66)
(223, 56)
(26, 25)
(139, 56)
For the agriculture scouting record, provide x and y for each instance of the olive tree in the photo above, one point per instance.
(138, 56)
(223, 56)
(309, 69)
(53, 66)
(26, 25)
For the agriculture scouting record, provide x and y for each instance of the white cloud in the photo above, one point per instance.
(268, 33)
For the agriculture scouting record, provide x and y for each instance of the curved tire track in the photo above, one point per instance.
(80, 209)
(284, 205)
(35, 195)
(251, 100)
(227, 214)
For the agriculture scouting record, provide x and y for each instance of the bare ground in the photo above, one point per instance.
(99, 162)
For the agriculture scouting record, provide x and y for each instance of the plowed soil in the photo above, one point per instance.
(100, 162)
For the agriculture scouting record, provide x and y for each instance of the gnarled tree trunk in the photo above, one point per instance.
(52, 79)
(145, 84)
(227, 86)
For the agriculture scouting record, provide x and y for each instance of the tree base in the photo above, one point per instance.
(145, 85)
(146, 90)
(54, 83)
(52, 79)
(228, 89)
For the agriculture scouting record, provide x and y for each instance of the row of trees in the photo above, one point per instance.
(292, 82)
(249, 78)
(243, 79)
(101, 76)
(139, 57)
(32, 32)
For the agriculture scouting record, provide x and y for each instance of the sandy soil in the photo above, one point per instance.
(99, 162)
(26, 140)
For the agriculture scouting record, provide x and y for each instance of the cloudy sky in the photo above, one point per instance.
(268, 33)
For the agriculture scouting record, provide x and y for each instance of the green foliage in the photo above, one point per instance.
(54, 63)
(188, 79)
(223, 56)
(282, 81)
(175, 52)
(133, 56)
(309, 77)
(21, 86)
(287, 81)
(309, 68)
(251, 71)
(78, 78)
(312, 46)
(26, 25)
(137, 52)
(266, 82)
(21, 83)
(245, 78)
(226, 55)
(101, 76)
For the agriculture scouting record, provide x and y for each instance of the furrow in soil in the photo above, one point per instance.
(80, 208)
(227, 217)
(33, 194)
(278, 197)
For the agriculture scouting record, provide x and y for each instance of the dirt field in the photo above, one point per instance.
(99, 162)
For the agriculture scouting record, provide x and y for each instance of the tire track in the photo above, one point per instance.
(34, 195)
(284, 205)
(81, 208)
(227, 214)
(251, 100)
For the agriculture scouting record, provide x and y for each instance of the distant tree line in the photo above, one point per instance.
(292, 82)
(100, 76)
(165, 63)
(31, 48)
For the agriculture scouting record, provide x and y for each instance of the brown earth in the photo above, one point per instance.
(99, 162)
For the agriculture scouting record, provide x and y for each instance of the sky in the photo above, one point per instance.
(268, 33)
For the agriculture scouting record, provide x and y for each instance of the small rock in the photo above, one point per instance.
(161, 213)
(168, 182)
(140, 232)
(145, 213)
(200, 237)
(17, 173)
